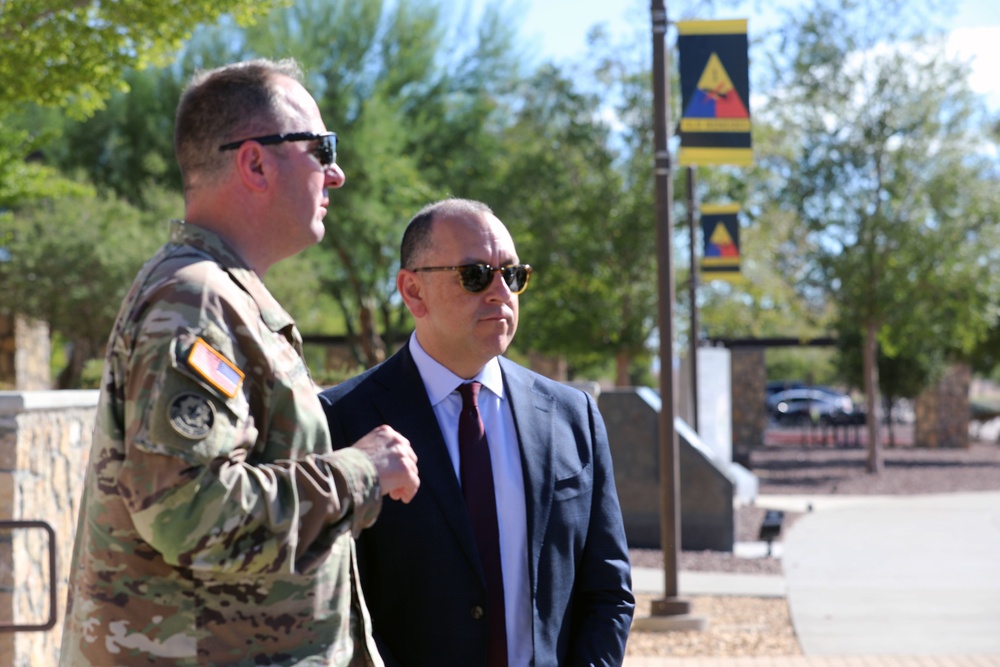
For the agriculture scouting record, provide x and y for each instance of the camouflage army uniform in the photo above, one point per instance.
(216, 523)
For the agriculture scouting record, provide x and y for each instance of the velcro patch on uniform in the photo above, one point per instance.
(191, 415)
(215, 368)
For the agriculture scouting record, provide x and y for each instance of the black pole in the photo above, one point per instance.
(669, 479)
(693, 293)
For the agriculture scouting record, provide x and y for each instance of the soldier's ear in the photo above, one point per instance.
(253, 166)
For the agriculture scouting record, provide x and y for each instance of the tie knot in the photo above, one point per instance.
(470, 394)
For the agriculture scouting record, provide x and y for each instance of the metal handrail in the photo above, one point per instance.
(52, 577)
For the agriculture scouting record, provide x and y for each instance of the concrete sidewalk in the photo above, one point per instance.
(822, 661)
(904, 574)
(650, 580)
(874, 581)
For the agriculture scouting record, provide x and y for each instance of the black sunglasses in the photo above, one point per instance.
(477, 277)
(325, 151)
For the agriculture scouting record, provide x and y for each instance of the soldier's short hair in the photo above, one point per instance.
(227, 104)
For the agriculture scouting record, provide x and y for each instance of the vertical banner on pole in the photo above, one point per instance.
(721, 233)
(715, 93)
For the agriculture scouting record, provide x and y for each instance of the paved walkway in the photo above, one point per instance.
(874, 581)
(824, 661)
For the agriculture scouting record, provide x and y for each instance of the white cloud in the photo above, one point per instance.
(981, 48)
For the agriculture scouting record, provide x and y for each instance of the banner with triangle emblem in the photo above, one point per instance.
(715, 93)
(721, 239)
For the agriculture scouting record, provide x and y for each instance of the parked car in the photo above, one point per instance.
(774, 386)
(810, 405)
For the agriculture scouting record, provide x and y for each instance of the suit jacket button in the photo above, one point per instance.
(477, 612)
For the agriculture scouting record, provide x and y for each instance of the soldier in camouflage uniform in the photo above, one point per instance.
(217, 526)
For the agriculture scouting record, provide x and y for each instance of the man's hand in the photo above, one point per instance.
(395, 461)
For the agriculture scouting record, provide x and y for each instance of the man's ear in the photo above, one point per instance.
(251, 163)
(410, 288)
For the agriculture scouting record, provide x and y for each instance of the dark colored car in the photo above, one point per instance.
(807, 405)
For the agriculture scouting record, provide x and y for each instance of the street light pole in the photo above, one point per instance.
(670, 605)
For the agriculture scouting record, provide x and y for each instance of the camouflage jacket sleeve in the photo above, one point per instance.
(227, 459)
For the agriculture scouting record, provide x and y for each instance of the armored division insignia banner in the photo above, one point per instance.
(721, 233)
(715, 93)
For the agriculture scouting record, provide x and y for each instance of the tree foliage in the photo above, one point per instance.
(70, 261)
(126, 147)
(557, 188)
(72, 53)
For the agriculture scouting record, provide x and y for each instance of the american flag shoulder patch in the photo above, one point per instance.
(215, 368)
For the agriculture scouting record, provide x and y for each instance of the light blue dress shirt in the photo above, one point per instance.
(508, 481)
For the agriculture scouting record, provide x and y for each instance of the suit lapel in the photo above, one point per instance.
(533, 411)
(405, 406)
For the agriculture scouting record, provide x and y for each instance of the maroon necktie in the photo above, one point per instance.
(477, 487)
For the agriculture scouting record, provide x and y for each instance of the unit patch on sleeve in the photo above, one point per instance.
(191, 415)
(215, 368)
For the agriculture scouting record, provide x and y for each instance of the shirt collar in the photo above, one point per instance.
(441, 382)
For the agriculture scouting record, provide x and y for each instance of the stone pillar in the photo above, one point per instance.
(24, 354)
(749, 383)
(715, 409)
(45, 441)
(942, 411)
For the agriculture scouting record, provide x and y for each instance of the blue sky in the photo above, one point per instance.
(557, 29)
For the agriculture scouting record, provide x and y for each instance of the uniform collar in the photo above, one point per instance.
(213, 245)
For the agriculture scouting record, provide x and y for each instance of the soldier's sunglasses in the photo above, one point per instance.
(477, 277)
(325, 150)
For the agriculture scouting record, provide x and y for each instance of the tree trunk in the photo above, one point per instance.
(871, 399)
(887, 411)
(81, 351)
(372, 345)
(623, 361)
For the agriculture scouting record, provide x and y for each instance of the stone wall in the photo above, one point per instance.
(942, 411)
(24, 354)
(45, 441)
(749, 382)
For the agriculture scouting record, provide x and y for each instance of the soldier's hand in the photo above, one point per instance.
(395, 461)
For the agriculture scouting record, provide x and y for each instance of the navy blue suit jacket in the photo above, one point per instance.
(419, 569)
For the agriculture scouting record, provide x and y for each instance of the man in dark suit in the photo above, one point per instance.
(537, 577)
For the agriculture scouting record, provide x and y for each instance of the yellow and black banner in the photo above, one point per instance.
(715, 93)
(721, 233)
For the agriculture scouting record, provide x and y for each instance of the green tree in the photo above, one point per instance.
(556, 185)
(70, 260)
(886, 181)
(72, 54)
(127, 146)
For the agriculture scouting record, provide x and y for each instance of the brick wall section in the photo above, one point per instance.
(24, 354)
(45, 441)
(942, 411)
(749, 380)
